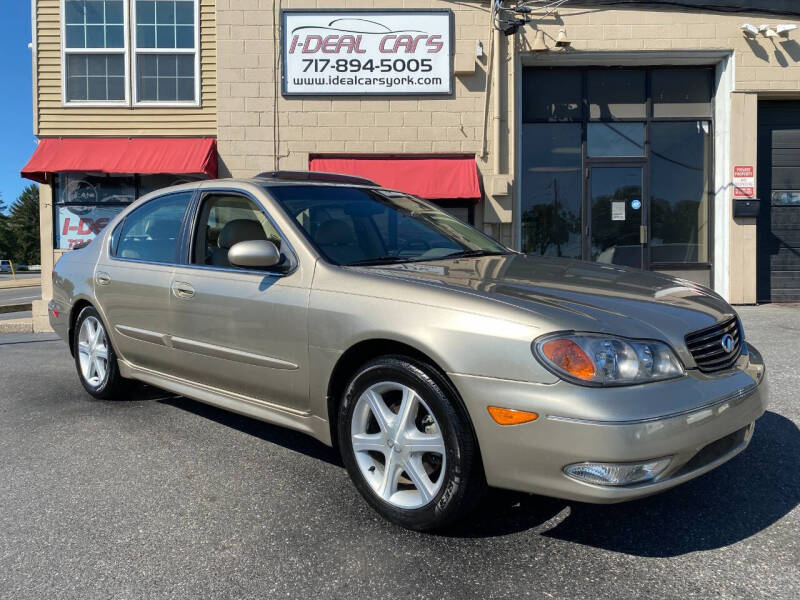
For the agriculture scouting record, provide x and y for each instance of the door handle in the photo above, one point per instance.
(183, 290)
(102, 278)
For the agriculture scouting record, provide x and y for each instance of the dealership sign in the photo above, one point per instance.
(80, 224)
(367, 52)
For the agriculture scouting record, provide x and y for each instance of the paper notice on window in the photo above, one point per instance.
(617, 211)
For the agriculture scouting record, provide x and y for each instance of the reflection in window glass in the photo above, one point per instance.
(353, 226)
(551, 189)
(224, 221)
(616, 195)
(616, 94)
(165, 77)
(786, 198)
(551, 95)
(679, 204)
(165, 23)
(151, 232)
(81, 188)
(94, 24)
(615, 139)
(681, 93)
(95, 77)
(151, 183)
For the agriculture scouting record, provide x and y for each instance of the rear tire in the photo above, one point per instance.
(95, 359)
(408, 445)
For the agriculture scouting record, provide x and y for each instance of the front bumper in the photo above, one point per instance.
(715, 425)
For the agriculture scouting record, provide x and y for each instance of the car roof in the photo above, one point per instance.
(264, 181)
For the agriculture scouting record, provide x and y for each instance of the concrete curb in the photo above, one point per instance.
(16, 326)
(21, 283)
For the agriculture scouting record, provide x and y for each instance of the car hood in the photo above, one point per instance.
(562, 294)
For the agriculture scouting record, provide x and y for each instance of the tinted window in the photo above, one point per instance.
(615, 139)
(226, 220)
(151, 232)
(679, 205)
(552, 95)
(354, 225)
(681, 93)
(616, 94)
(551, 189)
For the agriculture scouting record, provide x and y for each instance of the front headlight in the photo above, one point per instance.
(596, 359)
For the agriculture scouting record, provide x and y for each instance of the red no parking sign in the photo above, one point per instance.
(744, 182)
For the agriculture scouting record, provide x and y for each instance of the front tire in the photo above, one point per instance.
(408, 445)
(95, 359)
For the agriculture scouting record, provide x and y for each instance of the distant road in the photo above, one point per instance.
(25, 275)
(23, 295)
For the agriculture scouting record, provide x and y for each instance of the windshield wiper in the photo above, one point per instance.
(469, 253)
(378, 260)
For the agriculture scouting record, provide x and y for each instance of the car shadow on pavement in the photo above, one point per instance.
(274, 434)
(727, 505)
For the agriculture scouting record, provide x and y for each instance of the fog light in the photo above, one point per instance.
(617, 473)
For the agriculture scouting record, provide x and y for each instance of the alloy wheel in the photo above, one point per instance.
(398, 445)
(93, 352)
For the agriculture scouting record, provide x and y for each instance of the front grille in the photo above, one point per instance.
(706, 346)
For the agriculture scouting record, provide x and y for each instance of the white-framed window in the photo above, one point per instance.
(123, 52)
(95, 52)
(166, 57)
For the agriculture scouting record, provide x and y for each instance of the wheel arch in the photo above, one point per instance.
(76, 309)
(364, 351)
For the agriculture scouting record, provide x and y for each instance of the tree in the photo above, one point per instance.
(5, 232)
(22, 225)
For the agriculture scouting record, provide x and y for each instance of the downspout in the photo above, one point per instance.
(487, 91)
(498, 88)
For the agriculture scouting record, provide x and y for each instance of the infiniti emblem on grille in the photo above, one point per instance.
(727, 343)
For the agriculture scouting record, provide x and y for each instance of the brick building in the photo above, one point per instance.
(654, 134)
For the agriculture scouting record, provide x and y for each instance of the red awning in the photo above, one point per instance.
(142, 156)
(427, 177)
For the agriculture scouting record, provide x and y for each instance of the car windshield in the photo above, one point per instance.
(359, 226)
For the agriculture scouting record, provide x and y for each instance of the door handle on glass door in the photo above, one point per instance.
(181, 289)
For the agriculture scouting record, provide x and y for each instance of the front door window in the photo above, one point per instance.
(225, 220)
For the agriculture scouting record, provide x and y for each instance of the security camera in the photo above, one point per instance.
(750, 30)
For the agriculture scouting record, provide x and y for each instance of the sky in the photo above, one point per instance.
(16, 103)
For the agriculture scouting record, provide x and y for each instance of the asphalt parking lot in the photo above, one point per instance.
(163, 497)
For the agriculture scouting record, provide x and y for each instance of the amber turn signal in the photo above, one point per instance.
(570, 357)
(509, 416)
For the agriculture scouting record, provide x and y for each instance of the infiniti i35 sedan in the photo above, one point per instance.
(435, 359)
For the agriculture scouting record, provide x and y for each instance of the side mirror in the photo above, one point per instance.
(260, 254)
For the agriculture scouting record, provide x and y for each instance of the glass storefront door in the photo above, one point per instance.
(616, 212)
(616, 166)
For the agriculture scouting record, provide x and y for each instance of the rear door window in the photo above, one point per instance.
(152, 232)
